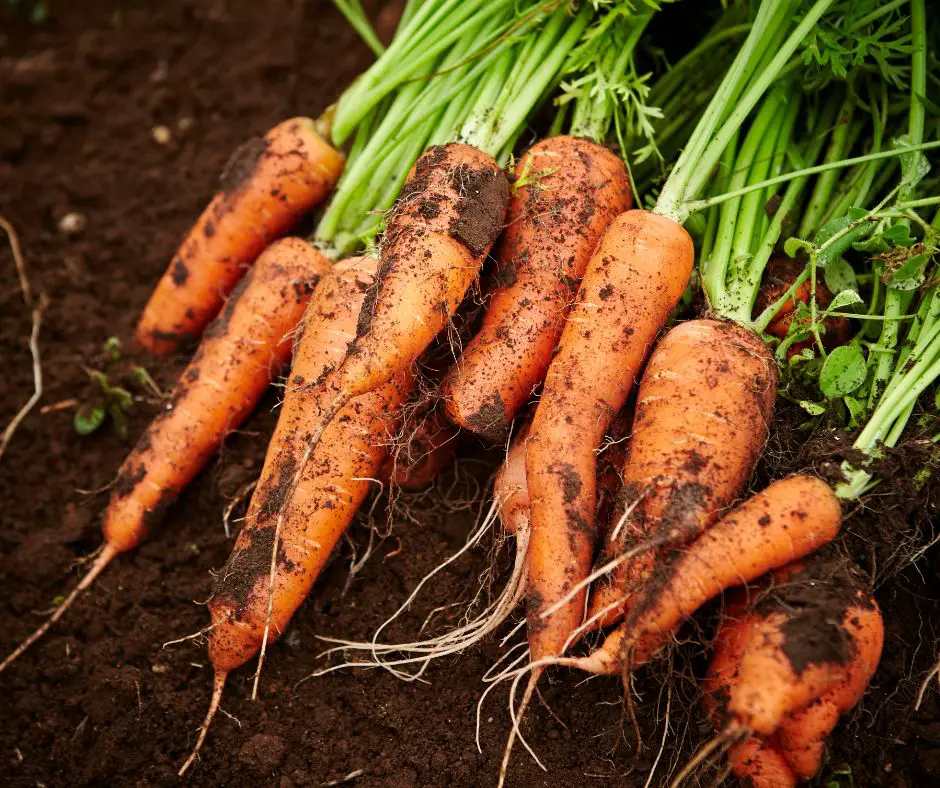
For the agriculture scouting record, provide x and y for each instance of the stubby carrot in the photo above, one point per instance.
(785, 522)
(241, 352)
(702, 413)
(567, 192)
(284, 544)
(788, 661)
(267, 186)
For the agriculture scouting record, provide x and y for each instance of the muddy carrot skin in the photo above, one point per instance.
(702, 414)
(243, 350)
(787, 521)
(788, 661)
(333, 485)
(444, 223)
(267, 186)
(633, 280)
(568, 191)
(241, 353)
(445, 220)
(803, 734)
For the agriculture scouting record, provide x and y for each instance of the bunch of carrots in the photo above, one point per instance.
(627, 358)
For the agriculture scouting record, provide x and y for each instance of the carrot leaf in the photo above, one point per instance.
(89, 417)
(842, 372)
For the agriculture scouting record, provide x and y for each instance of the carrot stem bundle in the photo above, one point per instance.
(241, 353)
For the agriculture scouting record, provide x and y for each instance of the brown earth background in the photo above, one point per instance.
(99, 702)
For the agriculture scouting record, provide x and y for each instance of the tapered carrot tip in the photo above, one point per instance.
(266, 188)
(218, 685)
(108, 552)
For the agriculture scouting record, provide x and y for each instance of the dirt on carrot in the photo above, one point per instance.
(92, 705)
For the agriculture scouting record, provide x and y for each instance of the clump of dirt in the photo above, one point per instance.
(484, 196)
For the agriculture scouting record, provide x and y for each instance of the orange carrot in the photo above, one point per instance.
(267, 185)
(702, 412)
(568, 190)
(284, 544)
(441, 229)
(761, 764)
(750, 758)
(633, 280)
(787, 665)
(510, 488)
(779, 276)
(449, 212)
(788, 520)
(241, 352)
(429, 446)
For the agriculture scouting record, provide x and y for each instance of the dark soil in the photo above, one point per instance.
(99, 702)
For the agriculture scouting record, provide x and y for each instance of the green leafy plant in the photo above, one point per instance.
(109, 401)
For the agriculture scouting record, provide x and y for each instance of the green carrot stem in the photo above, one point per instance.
(355, 15)
(771, 17)
(692, 181)
(730, 240)
(824, 187)
(694, 206)
(525, 96)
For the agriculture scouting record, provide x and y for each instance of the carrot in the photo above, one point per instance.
(267, 185)
(761, 764)
(788, 520)
(789, 663)
(803, 734)
(441, 229)
(702, 412)
(567, 192)
(780, 275)
(752, 758)
(428, 448)
(243, 350)
(284, 545)
(510, 487)
(446, 218)
(633, 280)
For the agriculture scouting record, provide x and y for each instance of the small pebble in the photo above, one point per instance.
(72, 223)
(161, 135)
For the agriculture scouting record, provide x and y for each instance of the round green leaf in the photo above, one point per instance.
(840, 276)
(843, 372)
(89, 417)
(843, 299)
